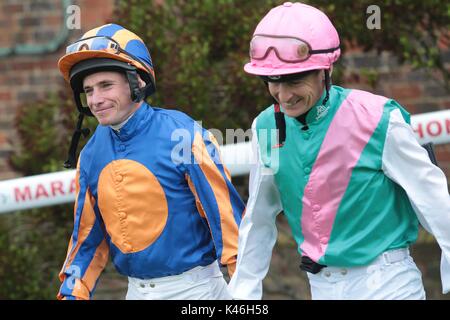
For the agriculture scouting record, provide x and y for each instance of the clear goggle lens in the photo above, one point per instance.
(94, 43)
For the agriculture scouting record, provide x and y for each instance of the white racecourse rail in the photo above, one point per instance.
(59, 187)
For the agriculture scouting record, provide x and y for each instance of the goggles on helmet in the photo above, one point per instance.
(102, 43)
(287, 49)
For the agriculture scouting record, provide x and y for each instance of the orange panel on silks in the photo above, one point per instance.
(133, 221)
(221, 194)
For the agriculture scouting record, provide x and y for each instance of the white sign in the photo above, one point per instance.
(432, 127)
(59, 187)
(37, 191)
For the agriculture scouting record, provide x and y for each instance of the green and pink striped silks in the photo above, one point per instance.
(321, 200)
(342, 209)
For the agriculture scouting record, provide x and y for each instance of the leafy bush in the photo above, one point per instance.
(33, 243)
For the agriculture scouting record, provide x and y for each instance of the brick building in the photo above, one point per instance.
(33, 37)
(37, 32)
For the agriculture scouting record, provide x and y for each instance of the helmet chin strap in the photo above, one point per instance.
(327, 86)
(71, 161)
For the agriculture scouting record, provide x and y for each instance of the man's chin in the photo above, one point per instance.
(103, 121)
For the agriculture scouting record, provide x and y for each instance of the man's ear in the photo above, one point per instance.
(141, 82)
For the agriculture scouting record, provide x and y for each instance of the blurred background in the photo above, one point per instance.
(198, 50)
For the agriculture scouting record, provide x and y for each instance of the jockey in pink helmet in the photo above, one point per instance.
(346, 171)
(289, 41)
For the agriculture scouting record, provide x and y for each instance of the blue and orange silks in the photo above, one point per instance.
(156, 197)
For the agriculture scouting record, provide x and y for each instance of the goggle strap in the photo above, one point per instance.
(135, 59)
(324, 50)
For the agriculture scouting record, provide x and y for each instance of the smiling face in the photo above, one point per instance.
(298, 96)
(108, 97)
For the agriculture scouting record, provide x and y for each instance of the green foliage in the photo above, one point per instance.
(371, 75)
(45, 130)
(199, 47)
(416, 32)
(33, 243)
(33, 246)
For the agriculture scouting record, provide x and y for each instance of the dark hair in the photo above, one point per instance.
(289, 77)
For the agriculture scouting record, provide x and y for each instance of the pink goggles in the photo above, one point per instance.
(287, 49)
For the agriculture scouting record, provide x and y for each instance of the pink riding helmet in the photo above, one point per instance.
(288, 30)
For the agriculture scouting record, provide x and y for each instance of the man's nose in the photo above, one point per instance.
(284, 94)
(96, 98)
